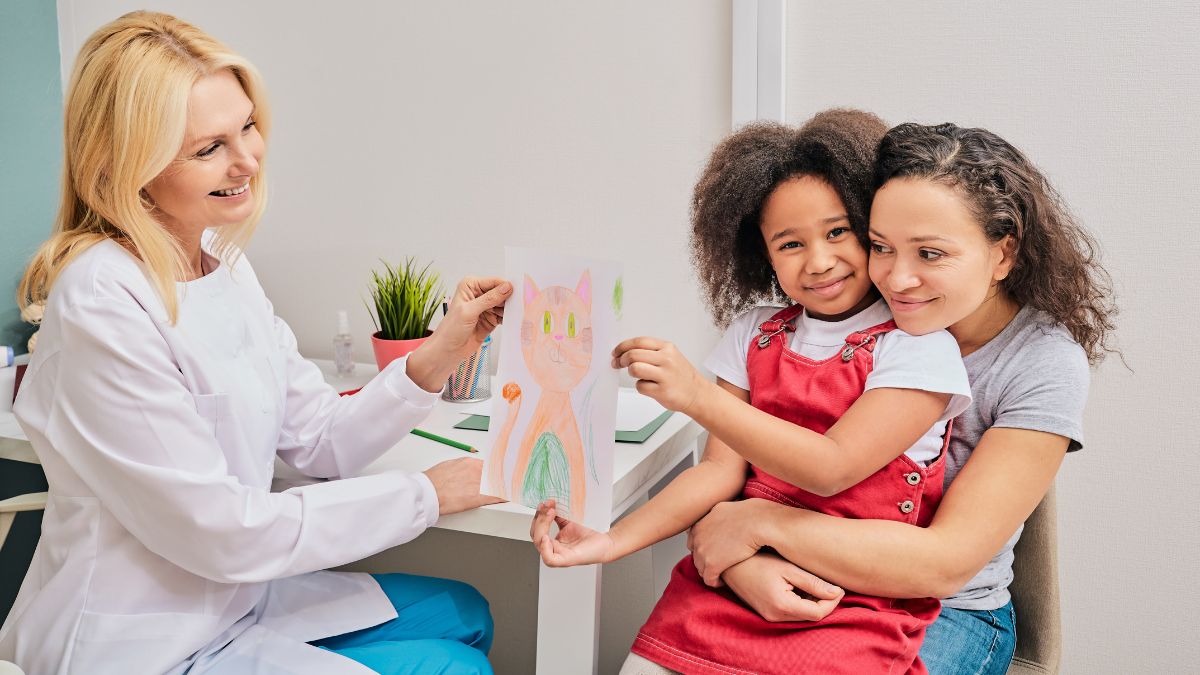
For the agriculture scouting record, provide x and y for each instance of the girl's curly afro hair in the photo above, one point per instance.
(837, 146)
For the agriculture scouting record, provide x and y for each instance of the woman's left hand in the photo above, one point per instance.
(662, 372)
(475, 310)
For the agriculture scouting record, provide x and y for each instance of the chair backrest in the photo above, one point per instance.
(1035, 593)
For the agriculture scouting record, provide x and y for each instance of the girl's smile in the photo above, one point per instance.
(818, 261)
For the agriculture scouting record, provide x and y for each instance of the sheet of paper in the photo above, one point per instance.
(477, 408)
(8, 381)
(553, 414)
(9, 427)
(635, 410)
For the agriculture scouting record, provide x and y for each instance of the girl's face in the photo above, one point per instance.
(208, 185)
(817, 259)
(929, 256)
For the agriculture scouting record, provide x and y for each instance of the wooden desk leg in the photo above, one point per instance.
(568, 628)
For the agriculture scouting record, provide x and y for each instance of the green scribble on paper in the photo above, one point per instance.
(618, 297)
(547, 476)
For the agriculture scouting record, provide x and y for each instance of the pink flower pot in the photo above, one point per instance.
(387, 351)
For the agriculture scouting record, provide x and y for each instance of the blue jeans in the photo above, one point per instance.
(970, 642)
(443, 627)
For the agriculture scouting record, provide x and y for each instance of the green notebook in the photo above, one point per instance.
(480, 423)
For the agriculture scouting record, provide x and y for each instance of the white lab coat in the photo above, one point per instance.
(163, 549)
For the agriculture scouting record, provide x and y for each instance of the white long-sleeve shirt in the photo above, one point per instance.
(161, 541)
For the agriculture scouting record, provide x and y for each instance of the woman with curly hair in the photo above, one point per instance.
(824, 404)
(965, 232)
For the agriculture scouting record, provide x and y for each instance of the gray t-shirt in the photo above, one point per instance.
(1032, 375)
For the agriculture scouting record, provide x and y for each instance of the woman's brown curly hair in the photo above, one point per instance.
(837, 146)
(1057, 268)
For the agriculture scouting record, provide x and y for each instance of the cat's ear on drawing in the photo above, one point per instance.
(584, 289)
(531, 289)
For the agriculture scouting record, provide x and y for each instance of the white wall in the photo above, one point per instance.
(448, 130)
(1103, 96)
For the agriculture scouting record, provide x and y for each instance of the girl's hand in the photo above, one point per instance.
(780, 591)
(574, 545)
(726, 537)
(662, 372)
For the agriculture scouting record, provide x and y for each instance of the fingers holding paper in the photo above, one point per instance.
(573, 545)
(475, 310)
(662, 372)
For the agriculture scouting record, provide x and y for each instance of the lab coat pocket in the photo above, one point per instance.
(153, 642)
(213, 408)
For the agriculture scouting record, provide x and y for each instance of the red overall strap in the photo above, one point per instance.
(779, 324)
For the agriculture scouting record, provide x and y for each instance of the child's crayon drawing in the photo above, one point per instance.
(555, 380)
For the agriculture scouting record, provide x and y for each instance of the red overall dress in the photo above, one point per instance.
(697, 629)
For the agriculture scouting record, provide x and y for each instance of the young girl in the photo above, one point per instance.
(823, 405)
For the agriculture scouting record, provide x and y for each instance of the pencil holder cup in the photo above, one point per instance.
(471, 380)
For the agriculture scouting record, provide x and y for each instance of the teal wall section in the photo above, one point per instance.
(30, 145)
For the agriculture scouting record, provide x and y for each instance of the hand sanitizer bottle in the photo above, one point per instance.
(343, 346)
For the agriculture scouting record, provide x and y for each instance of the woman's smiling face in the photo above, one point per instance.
(930, 257)
(208, 185)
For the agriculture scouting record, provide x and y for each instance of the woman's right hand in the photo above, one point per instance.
(780, 591)
(476, 308)
(574, 545)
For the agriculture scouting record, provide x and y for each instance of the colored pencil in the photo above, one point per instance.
(442, 439)
(480, 360)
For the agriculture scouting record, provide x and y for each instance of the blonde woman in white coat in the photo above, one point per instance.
(164, 388)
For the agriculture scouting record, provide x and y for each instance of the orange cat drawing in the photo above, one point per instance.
(556, 343)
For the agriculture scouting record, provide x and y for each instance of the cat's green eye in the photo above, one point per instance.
(547, 324)
(571, 325)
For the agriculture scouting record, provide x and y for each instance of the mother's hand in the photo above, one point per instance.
(727, 536)
(476, 308)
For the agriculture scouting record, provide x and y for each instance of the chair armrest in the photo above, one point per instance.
(34, 501)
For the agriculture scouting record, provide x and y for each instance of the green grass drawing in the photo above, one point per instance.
(618, 297)
(547, 475)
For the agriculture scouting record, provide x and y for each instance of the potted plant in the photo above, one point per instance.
(405, 300)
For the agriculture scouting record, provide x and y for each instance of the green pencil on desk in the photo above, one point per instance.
(442, 439)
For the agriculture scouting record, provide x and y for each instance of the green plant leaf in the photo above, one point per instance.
(405, 299)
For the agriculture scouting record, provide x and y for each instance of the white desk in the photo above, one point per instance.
(568, 599)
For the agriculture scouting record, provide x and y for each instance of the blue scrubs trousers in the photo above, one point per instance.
(443, 627)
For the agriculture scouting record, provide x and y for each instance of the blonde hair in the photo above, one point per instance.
(125, 118)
